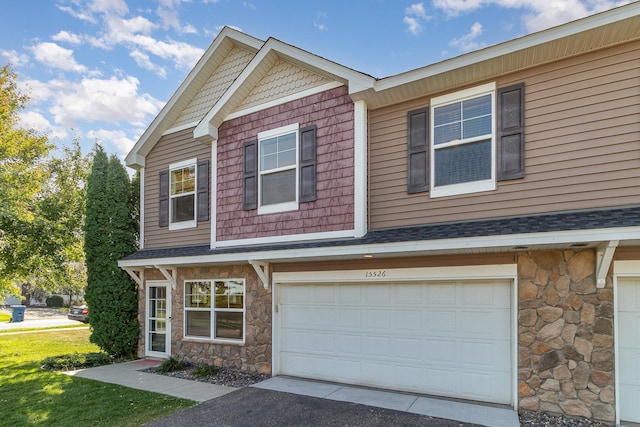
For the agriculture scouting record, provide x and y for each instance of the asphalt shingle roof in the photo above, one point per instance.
(546, 223)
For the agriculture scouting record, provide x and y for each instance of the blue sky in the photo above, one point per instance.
(102, 69)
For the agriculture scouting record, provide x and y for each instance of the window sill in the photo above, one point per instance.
(182, 225)
(280, 207)
(212, 341)
(464, 188)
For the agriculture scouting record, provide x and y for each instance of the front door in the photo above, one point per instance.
(158, 324)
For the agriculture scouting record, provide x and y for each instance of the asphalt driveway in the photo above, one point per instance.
(252, 406)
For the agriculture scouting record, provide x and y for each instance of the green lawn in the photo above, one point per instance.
(30, 396)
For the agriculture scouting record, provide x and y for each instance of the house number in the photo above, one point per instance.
(375, 274)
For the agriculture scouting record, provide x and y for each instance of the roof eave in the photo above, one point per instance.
(135, 158)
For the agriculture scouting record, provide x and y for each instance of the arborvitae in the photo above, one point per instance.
(109, 235)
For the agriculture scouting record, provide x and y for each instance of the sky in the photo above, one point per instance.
(101, 70)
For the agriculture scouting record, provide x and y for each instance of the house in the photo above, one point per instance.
(469, 229)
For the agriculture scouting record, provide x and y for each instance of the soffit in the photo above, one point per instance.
(577, 38)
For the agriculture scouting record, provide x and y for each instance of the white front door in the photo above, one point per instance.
(450, 339)
(629, 349)
(158, 322)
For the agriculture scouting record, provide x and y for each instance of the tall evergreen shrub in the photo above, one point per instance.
(110, 234)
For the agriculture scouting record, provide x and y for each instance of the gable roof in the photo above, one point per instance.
(272, 51)
(599, 31)
(213, 57)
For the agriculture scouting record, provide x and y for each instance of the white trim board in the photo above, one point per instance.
(423, 247)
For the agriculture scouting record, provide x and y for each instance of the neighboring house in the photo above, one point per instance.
(470, 229)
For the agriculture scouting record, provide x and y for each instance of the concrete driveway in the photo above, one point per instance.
(252, 406)
(286, 401)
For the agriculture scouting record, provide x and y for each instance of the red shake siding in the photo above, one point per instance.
(332, 113)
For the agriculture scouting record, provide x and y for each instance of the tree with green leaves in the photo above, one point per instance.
(110, 234)
(23, 172)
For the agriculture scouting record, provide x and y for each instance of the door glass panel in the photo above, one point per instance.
(157, 322)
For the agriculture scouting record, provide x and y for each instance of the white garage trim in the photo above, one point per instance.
(621, 270)
(433, 274)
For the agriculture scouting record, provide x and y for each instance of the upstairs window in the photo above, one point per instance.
(463, 142)
(183, 193)
(278, 169)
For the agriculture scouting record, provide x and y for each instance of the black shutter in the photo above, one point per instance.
(308, 164)
(203, 190)
(163, 208)
(418, 151)
(250, 175)
(511, 132)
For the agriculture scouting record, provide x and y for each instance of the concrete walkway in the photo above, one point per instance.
(128, 374)
(39, 324)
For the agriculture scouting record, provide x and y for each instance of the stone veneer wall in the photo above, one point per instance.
(254, 355)
(565, 330)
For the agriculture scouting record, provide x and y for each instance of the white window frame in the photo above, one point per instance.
(183, 224)
(212, 310)
(465, 187)
(286, 206)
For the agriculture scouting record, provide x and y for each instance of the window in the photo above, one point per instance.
(184, 194)
(463, 142)
(278, 169)
(214, 309)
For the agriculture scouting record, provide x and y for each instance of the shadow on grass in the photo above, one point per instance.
(30, 396)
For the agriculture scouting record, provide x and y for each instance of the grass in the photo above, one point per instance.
(78, 326)
(4, 317)
(30, 396)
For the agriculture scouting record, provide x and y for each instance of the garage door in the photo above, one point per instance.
(629, 349)
(447, 339)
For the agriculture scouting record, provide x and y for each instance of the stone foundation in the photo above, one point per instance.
(252, 356)
(565, 336)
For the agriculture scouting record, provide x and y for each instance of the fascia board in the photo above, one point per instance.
(407, 248)
(216, 116)
(158, 125)
(525, 42)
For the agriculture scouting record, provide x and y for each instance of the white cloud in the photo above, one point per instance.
(14, 58)
(467, 42)
(320, 27)
(56, 56)
(35, 120)
(248, 5)
(415, 17)
(117, 138)
(109, 100)
(66, 37)
(143, 61)
(537, 14)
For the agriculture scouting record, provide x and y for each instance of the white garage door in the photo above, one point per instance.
(629, 349)
(447, 339)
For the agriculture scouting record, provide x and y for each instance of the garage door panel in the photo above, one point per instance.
(628, 321)
(439, 322)
(348, 344)
(381, 340)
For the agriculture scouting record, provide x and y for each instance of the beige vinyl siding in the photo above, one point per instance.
(455, 260)
(582, 127)
(170, 149)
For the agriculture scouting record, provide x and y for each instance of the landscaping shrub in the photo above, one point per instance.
(205, 370)
(54, 301)
(67, 362)
(171, 364)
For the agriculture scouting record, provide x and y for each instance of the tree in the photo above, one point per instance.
(110, 234)
(23, 171)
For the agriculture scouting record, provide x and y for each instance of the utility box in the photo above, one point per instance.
(18, 313)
